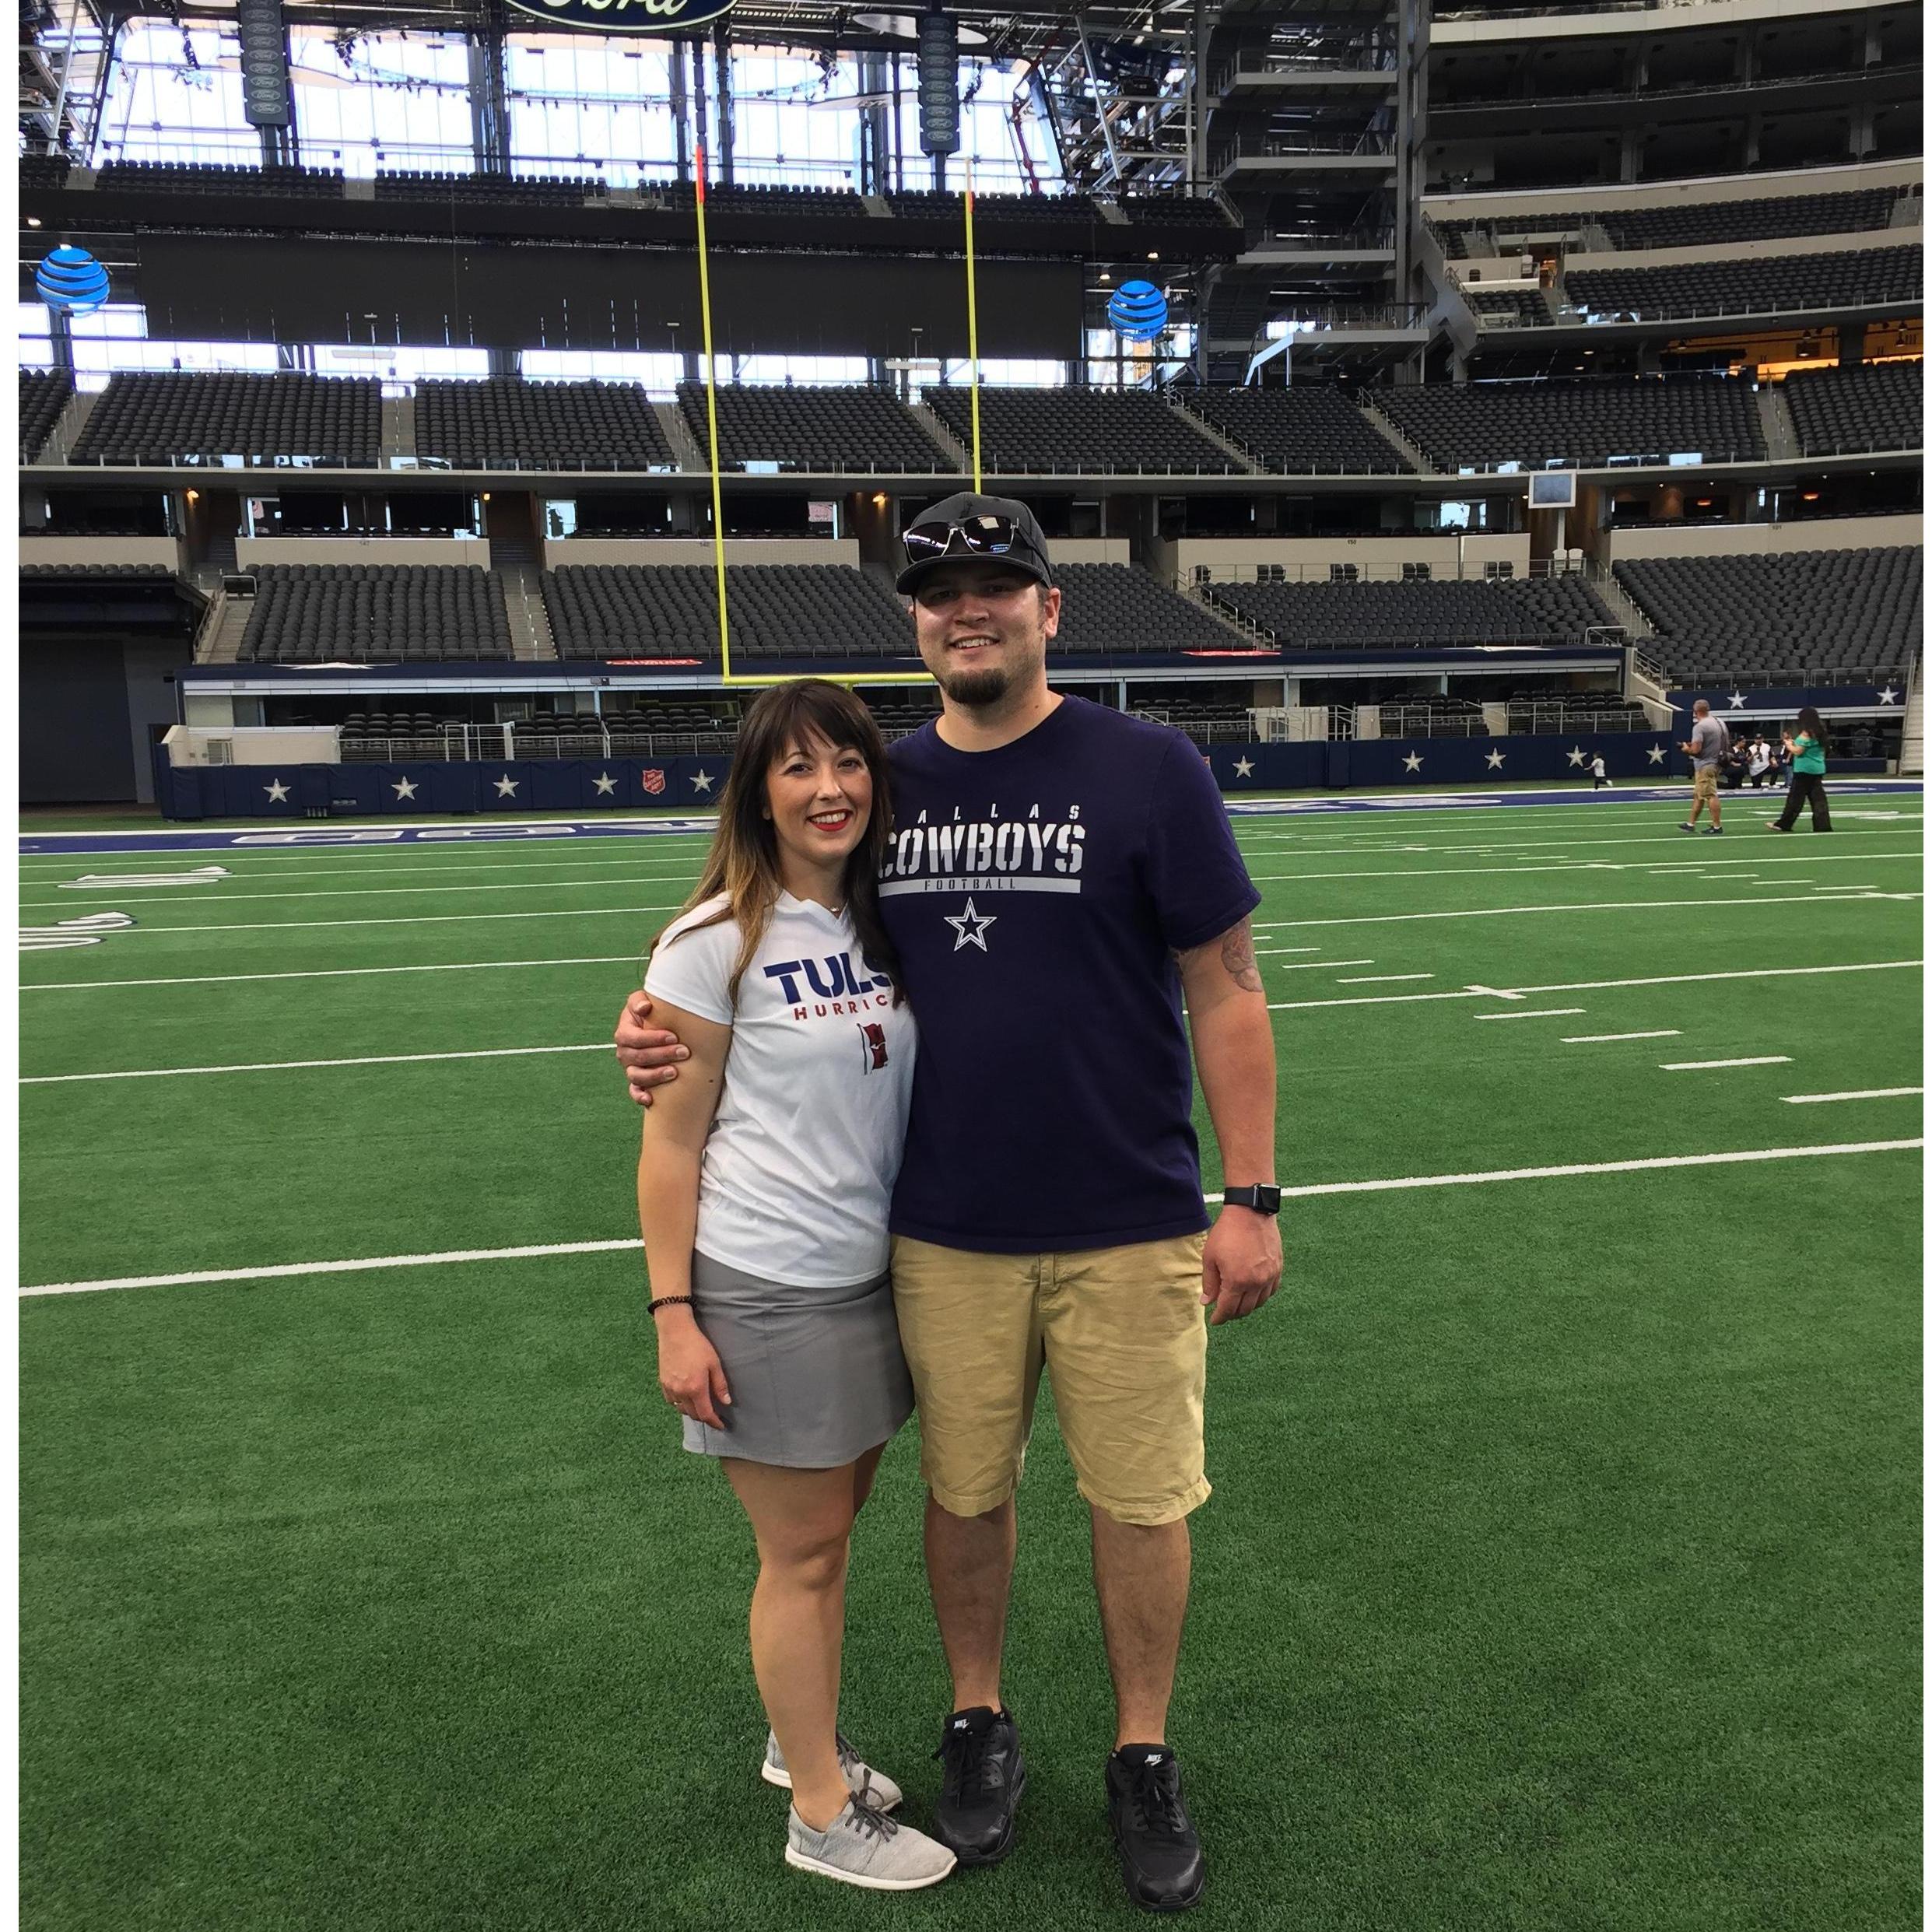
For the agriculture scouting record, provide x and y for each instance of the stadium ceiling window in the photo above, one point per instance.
(578, 101)
(383, 102)
(174, 94)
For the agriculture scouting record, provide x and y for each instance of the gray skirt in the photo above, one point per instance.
(816, 1375)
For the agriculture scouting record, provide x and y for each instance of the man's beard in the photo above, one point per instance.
(977, 688)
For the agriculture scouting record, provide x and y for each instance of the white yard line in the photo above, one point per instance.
(1270, 952)
(1591, 985)
(1541, 1012)
(332, 973)
(440, 860)
(413, 919)
(287, 1066)
(634, 959)
(1591, 1040)
(1321, 966)
(1863, 1093)
(1591, 906)
(1380, 979)
(239, 899)
(1709, 1066)
(284, 1270)
(1701, 868)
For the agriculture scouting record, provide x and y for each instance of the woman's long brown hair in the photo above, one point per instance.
(743, 861)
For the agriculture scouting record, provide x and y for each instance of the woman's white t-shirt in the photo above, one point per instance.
(798, 1170)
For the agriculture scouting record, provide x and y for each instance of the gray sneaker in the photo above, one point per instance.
(860, 1780)
(863, 1846)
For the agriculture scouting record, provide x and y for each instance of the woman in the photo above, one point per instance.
(762, 1188)
(1807, 749)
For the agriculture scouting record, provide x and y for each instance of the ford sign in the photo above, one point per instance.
(624, 16)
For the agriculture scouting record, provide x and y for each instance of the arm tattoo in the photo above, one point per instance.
(1237, 957)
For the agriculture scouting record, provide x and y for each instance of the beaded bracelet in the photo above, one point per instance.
(667, 1301)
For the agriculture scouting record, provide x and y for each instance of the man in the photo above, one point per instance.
(1709, 741)
(1060, 875)
(1599, 772)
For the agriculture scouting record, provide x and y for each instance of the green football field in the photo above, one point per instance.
(1562, 1570)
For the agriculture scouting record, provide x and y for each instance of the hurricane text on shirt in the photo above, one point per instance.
(838, 987)
(1037, 895)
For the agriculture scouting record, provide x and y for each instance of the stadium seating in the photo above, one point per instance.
(868, 431)
(308, 613)
(505, 424)
(45, 393)
(1581, 423)
(1516, 307)
(211, 177)
(42, 171)
(530, 191)
(1685, 225)
(1363, 616)
(1308, 430)
(164, 417)
(1763, 284)
(1879, 408)
(1823, 613)
(670, 610)
(1110, 431)
(1010, 207)
(1116, 608)
(764, 198)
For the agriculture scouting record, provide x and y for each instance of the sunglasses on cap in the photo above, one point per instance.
(986, 536)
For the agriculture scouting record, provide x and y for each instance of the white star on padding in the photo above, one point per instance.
(1737, 698)
(506, 787)
(1244, 768)
(277, 791)
(1494, 760)
(971, 927)
(1413, 761)
(405, 788)
(604, 784)
(1655, 754)
(1577, 756)
(1889, 695)
(702, 782)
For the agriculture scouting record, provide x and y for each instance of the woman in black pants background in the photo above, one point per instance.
(1807, 749)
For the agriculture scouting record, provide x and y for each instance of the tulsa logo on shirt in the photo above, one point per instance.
(840, 987)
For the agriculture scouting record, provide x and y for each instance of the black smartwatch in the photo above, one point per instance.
(1262, 1198)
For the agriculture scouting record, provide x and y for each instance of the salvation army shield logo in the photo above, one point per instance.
(653, 780)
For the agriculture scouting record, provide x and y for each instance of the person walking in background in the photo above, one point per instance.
(1599, 775)
(1710, 740)
(767, 1246)
(1806, 744)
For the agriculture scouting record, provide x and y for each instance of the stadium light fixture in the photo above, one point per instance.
(33, 221)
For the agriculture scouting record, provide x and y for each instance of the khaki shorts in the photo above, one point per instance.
(1121, 1330)
(1704, 785)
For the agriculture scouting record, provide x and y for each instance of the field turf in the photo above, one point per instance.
(1562, 1569)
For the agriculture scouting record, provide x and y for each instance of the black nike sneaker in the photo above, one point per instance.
(980, 1790)
(1160, 1850)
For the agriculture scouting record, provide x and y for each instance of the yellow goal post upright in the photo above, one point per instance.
(741, 680)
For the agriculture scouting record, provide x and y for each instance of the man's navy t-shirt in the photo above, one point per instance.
(1037, 895)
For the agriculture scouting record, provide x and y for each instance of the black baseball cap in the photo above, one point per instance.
(1024, 550)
